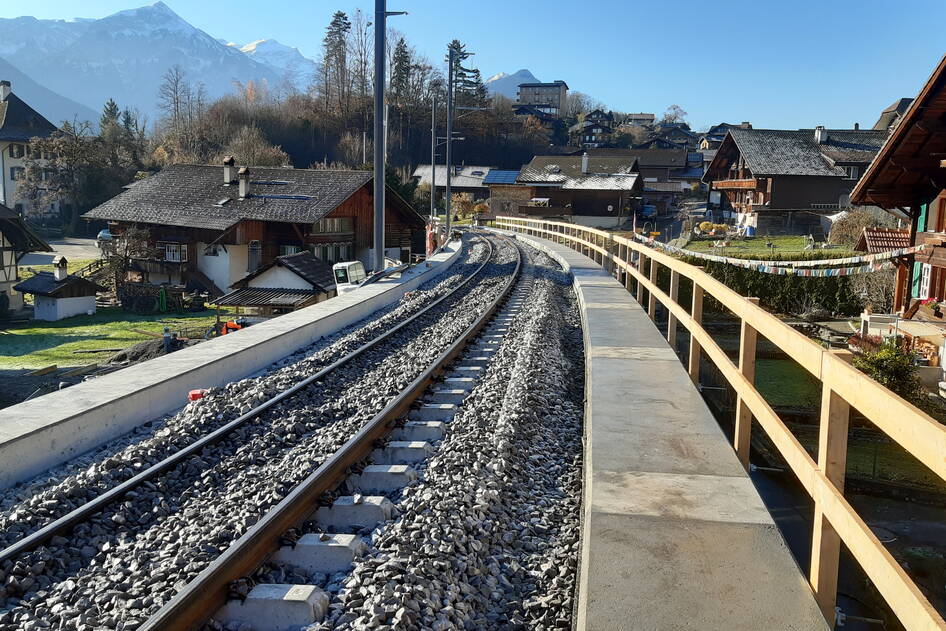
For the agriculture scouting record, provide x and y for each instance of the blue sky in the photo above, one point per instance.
(775, 63)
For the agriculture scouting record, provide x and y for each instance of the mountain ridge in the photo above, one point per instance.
(507, 85)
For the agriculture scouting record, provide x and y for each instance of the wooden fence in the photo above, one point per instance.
(843, 387)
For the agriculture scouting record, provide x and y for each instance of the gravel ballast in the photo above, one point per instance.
(118, 568)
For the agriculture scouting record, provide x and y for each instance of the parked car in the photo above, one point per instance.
(648, 211)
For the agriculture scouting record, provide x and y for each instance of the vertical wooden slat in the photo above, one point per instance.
(652, 300)
(641, 261)
(696, 312)
(832, 460)
(748, 338)
(672, 319)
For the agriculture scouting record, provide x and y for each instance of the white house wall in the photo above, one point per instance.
(239, 255)
(217, 268)
(52, 309)
(280, 277)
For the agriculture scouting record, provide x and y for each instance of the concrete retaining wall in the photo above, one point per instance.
(674, 534)
(51, 429)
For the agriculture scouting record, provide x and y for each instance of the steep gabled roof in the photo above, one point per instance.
(195, 196)
(19, 234)
(303, 264)
(892, 113)
(565, 171)
(770, 152)
(45, 284)
(907, 171)
(20, 122)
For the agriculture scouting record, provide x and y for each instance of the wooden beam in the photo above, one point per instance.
(914, 162)
(931, 125)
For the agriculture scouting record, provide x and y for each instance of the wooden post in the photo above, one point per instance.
(696, 312)
(743, 432)
(652, 300)
(672, 319)
(641, 259)
(628, 277)
(832, 460)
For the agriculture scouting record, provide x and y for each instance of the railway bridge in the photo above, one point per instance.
(501, 437)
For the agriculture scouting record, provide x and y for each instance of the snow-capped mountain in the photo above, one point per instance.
(508, 84)
(124, 56)
(297, 69)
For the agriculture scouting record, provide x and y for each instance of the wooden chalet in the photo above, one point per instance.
(16, 239)
(591, 191)
(908, 178)
(212, 225)
(786, 181)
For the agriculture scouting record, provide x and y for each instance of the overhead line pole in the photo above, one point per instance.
(433, 157)
(380, 150)
(447, 204)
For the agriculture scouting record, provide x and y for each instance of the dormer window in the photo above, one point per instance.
(851, 173)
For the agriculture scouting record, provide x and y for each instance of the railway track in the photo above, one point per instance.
(397, 437)
(111, 507)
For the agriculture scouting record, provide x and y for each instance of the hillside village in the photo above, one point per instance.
(193, 190)
(369, 338)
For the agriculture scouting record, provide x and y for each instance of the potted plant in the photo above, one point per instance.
(934, 305)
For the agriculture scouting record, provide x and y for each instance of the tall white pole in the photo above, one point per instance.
(380, 26)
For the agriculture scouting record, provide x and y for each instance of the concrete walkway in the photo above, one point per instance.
(674, 534)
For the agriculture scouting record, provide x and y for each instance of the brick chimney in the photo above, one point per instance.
(229, 170)
(244, 176)
(584, 162)
(5, 90)
(821, 135)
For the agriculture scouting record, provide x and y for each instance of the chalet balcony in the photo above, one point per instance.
(743, 184)
(160, 266)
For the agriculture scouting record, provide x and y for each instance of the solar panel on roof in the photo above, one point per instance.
(497, 176)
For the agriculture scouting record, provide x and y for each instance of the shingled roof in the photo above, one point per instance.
(195, 196)
(20, 122)
(15, 230)
(305, 265)
(770, 152)
(45, 284)
(565, 171)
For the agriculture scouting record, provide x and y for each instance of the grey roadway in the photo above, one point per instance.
(73, 248)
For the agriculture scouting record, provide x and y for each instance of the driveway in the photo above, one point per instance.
(74, 249)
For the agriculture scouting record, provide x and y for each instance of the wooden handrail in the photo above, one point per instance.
(844, 387)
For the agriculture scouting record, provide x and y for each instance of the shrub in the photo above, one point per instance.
(706, 226)
(895, 369)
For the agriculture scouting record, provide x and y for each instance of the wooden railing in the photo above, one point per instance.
(843, 388)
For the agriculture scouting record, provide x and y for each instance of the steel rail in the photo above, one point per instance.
(203, 596)
(95, 505)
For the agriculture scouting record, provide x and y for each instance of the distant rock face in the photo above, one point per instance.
(124, 56)
(297, 69)
(54, 107)
(508, 84)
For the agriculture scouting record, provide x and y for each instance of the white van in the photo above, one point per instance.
(348, 275)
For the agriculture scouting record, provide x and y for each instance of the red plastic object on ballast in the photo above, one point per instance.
(193, 395)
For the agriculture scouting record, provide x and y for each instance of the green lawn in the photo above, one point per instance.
(752, 247)
(783, 383)
(72, 266)
(38, 344)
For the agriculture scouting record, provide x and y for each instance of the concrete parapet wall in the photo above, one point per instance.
(674, 534)
(52, 429)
